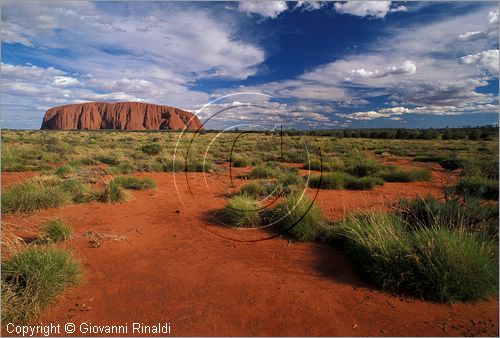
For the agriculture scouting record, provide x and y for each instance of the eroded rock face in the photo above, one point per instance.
(120, 115)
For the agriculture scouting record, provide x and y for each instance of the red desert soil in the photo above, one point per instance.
(160, 261)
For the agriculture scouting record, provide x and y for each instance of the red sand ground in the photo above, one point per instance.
(155, 264)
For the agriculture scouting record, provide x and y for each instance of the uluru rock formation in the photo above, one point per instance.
(119, 115)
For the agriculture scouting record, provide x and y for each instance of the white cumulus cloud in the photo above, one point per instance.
(487, 60)
(266, 9)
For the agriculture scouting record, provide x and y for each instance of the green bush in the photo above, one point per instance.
(32, 279)
(151, 149)
(125, 167)
(334, 164)
(478, 187)
(242, 211)
(64, 170)
(260, 188)
(108, 159)
(400, 175)
(113, 193)
(427, 158)
(78, 191)
(333, 180)
(263, 171)
(299, 216)
(452, 163)
(135, 183)
(32, 195)
(367, 168)
(431, 263)
(428, 212)
(362, 183)
(239, 162)
(56, 230)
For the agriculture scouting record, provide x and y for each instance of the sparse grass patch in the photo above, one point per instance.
(242, 211)
(33, 278)
(367, 168)
(362, 183)
(135, 183)
(401, 175)
(478, 187)
(333, 180)
(428, 212)
(56, 230)
(432, 263)
(263, 171)
(32, 195)
(151, 149)
(113, 193)
(300, 216)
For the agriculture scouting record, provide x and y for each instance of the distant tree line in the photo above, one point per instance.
(465, 133)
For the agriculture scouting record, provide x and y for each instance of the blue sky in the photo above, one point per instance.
(310, 64)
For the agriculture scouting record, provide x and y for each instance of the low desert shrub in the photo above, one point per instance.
(478, 187)
(339, 180)
(151, 149)
(333, 180)
(32, 195)
(367, 168)
(263, 171)
(108, 159)
(431, 263)
(452, 163)
(400, 175)
(64, 170)
(299, 217)
(362, 183)
(135, 183)
(242, 211)
(56, 230)
(428, 212)
(33, 278)
(239, 162)
(113, 193)
(78, 191)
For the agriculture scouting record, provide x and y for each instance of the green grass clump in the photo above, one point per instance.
(299, 212)
(339, 180)
(362, 183)
(261, 188)
(452, 163)
(78, 191)
(427, 158)
(263, 171)
(400, 175)
(433, 263)
(32, 195)
(239, 162)
(56, 230)
(361, 169)
(125, 167)
(113, 193)
(242, 211)
(333, 180)
(151, 149)
(428, 212)
(64, 170)
(108, 159)
(135, 183)
(334, 164)
(478, 187)
(33, 278)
